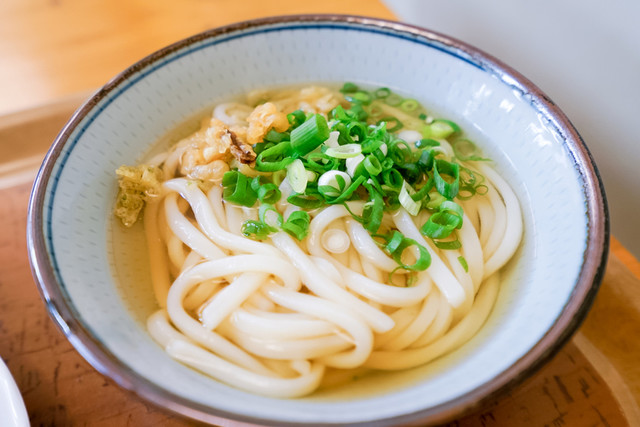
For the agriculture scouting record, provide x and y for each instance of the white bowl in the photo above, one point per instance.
(548, 287)
(14, 413)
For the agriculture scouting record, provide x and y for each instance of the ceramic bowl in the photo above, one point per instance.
(14, 413)
(547, 288)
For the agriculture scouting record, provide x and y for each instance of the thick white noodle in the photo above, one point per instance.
(187, 232)
(367, 248)
(514, 227)
(207, 220)
(158, 257)
(321, 308)
(357, 282)
(228, 372)
(472, 252)
(417, 326)
(215, 198)
(441, 275)
(280, 325)
(460, 333)
(229, 298)
(440, 325)
(499, 222)
(282, 349)
(320, 284)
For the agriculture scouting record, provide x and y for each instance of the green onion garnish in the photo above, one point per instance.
(237, 189)
(309, 135)
(357, 156)
(297, 224)
(297, 176)
(442, 128)
(406, 201)
(463, 263)
(274, 158)
(256, 230)
(442, 167)
(344, 151)
(396, 246)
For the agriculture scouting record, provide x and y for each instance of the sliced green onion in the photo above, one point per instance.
(261, 146)
(393, 178)
(394, 242)
(435, 200)
(297, 176)
(372, 165)
(396, 246)
(360, 96)
(349, 87)
(320, 162)
(263, 212)
(400, 152)
(383, 92)
(274, 158)
(309, 135)
(357, 130)
(346, 194)
(426, 143)
(375, 184)
(256, 230)
(393, 99)
(448, 245)
(333, 183)
(237, 189)
(267, 192)
(451, 207)
(442, 129)
(466, 150)
(387, 163)
(370, 145)
(307, 200)
(463, 263)
(409, 105)
(392, 200)
(352, 164)
(373, 209)
(344, 151)
(424, 191)
(406, 201)
(332, 141)
(275, 136)
(297, 224)
(442, 167)
(296, 118)
(440, 225)
(393, 123)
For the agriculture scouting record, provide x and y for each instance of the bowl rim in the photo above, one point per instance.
(591, 274)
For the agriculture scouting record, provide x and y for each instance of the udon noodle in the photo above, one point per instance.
(279, 313)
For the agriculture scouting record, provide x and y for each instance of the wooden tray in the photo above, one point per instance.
(593, 381)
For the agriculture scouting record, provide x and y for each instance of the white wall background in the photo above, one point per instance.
(585, 55)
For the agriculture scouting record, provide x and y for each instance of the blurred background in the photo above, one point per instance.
(584, 54)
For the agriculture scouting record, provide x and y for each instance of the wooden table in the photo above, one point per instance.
(51, 51)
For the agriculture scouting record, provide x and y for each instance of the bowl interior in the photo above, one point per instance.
(95, 271)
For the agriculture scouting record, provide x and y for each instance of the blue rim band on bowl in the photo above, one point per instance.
(42, 250)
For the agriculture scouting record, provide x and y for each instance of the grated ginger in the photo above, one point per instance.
(138, 184)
